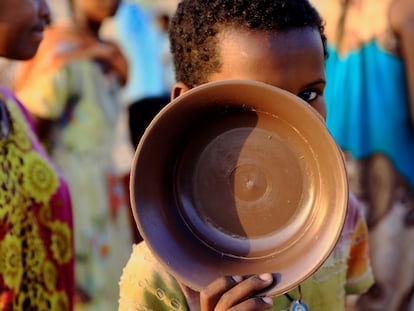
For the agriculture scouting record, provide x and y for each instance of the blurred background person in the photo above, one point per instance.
(36, 238)
(72, 89)
(370, 103)
(141, 30)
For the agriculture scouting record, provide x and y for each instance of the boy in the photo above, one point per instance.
(279, 42)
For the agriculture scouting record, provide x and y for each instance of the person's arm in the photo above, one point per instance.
(401, 15)
(112, 55)
(106, 52)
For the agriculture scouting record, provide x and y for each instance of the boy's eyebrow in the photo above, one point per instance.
(320, 81)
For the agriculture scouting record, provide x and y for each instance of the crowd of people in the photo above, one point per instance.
(75, 103)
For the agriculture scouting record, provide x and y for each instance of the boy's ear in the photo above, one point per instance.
(178, 89)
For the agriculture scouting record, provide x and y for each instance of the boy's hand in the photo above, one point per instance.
(236, 294)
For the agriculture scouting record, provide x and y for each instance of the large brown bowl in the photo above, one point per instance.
(239, 178)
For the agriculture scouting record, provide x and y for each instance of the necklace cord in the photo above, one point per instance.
(291, 298)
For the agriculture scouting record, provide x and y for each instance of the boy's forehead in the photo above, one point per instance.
(264, 55)
(281, 41)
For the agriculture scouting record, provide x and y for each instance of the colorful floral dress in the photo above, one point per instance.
(79, 97)
(36, 240)
(147, 285)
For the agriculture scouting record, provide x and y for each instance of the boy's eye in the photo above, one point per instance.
(308, 96)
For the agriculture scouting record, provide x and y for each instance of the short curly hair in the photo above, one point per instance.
(194, 27)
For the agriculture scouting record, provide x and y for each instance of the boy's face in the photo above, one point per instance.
(293, 61)
(22, 23)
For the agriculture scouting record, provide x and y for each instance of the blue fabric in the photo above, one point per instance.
(368, 106)
(141, 43)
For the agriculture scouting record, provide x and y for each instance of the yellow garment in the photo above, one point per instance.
(146, 284)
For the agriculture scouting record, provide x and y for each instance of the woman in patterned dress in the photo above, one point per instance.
(36, 242)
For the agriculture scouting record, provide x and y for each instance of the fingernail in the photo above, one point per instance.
(268, 300)
(265, 276)
(237, 278)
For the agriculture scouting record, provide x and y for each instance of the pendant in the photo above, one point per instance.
(298, 305)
